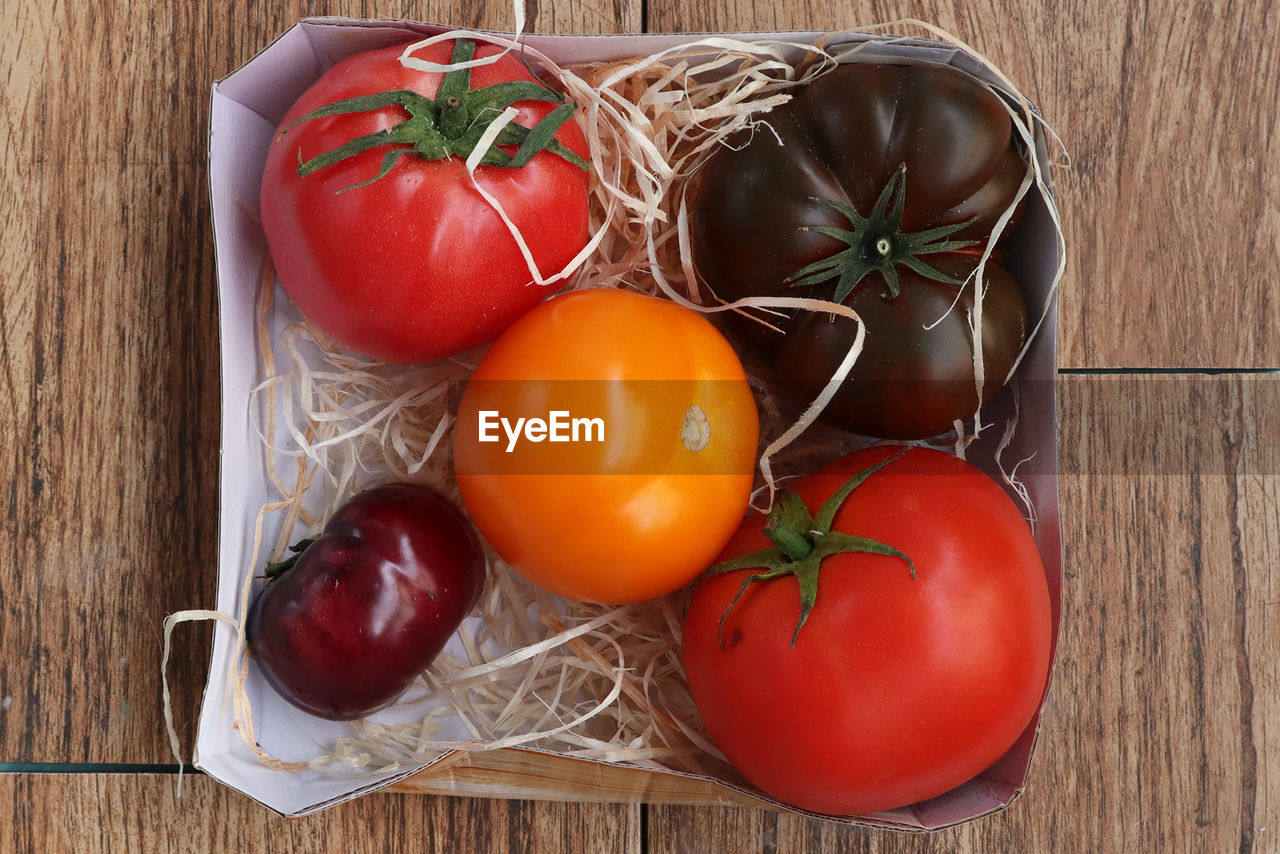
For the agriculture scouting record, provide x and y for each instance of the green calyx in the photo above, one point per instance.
(802, 542)
(451, 124)
(876, 243)
(280, 567)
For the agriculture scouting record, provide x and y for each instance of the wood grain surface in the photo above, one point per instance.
(131, 813)
(1162, 730)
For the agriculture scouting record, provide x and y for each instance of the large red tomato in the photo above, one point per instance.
(923, 654)
(374, 225)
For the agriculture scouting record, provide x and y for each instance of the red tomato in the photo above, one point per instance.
(416, 265)
(898, 687)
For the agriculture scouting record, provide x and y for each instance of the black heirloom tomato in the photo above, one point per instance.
(878, 187)
(342, 628)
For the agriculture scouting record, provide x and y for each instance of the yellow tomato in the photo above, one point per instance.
(606, 444)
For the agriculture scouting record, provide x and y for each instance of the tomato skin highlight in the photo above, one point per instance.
(639, 515)
(416, 265)
(369, 604)
(898, 688)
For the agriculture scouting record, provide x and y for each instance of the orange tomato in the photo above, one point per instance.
(606, 444)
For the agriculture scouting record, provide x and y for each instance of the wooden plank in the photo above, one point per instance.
(110, 355)
(1160, 729)
(1171, 116)
(141, 813)
(109, 352)
(532, 775)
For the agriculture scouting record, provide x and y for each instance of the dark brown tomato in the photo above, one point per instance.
(907, 383)
(924, 158)
(954, 136)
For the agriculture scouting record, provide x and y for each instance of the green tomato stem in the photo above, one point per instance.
(803, 542)
(280, 567)
(794, 544)
(453, 117)
(876, 243)
(450, 125)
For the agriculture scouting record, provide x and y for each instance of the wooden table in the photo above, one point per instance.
(1162, 731)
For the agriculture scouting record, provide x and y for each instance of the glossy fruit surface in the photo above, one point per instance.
(345, 626)
(374, 225)
(924, 652)
(649, 489)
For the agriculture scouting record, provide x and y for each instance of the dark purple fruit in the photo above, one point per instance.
(343, 627)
